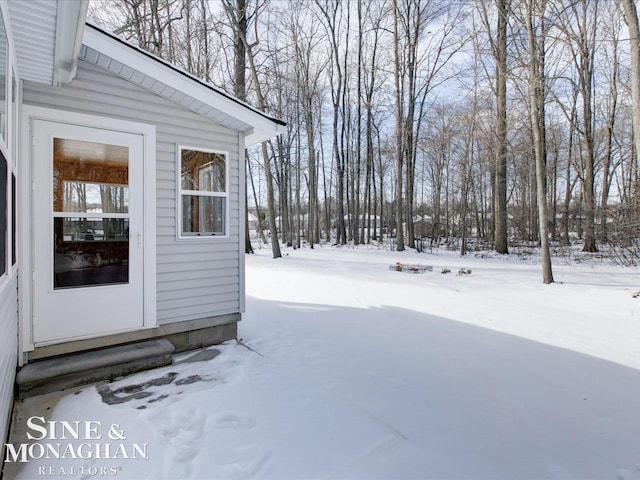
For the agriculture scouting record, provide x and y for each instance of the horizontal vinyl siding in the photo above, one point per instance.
(8, 349)
(195, 278)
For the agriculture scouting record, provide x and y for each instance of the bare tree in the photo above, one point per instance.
(148, 23)
(612, 62)
(239, 16)
(234, 18)
(631, 17)
(371, 73)
(498, 43)
(331, 14)
(399, 129)
(537, 30)
(309, 65)
(577, 20)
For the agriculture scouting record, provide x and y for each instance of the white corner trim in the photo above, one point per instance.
(242, 163)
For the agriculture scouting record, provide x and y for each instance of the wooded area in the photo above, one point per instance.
(468, 123)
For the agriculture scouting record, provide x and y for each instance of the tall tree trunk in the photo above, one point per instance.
(553, 195)
(271, 210)
(589, 175)
(255, 197)
(537, 85)
(631, 17)
(578, 21)
(399, 130)
(608, 154)
(500, 210)
(330, 14)
(237, 15)
(235, 19)
(358, 226)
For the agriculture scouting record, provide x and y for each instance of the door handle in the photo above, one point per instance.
(139, 237)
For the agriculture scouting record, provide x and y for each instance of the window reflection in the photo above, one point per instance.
(90, 177)
(203, 214)
(90, 251)
(204, 171)
(91, 206)
(94, 198)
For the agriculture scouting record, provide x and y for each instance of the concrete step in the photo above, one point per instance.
(82, 368)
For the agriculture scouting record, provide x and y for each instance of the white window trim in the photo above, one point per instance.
(9, 271)
(14, 108)
(179, 192)
(8, 148)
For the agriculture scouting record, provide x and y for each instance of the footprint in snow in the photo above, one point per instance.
(240, 462)
(624, 474)
(234, 420)
(383, 378)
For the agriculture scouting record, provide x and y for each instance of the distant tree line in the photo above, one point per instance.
(479, 122)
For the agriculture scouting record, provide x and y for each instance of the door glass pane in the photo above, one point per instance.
(90, 179)
(94, 197)
(90, 251)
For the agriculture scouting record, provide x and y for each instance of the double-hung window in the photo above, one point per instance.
(203, 193)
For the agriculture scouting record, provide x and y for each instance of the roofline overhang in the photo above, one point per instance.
(253, 137)
(261, 126)
(70, 21)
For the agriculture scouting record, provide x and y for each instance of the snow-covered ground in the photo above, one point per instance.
(348, 370)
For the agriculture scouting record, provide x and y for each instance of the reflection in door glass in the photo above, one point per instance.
(90, 251)
(91, 205)
(90, 177)
(94, 197)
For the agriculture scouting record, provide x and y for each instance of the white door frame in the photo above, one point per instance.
(26, 205)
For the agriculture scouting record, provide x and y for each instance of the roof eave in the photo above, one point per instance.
(70, 21)
(262, 126)
(254, 136)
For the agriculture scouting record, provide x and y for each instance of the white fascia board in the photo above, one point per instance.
(255, 136)
(157, 70)
(70, 20)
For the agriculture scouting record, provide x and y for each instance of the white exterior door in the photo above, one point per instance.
(88, 232)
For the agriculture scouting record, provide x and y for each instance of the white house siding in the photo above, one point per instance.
(8, 349)
(195, 278)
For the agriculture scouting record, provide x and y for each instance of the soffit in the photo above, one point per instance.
(34, 31)
(160, 88)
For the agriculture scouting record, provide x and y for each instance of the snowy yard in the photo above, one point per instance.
(354, 371)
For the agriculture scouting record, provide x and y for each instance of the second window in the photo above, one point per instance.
(203, 192)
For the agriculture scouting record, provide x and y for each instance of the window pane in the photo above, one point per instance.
(94, 197)
(14, 114)
(90, 177)
(203, 171)
(14, 219)
(203, 215)
(90, 251)
(3, 214)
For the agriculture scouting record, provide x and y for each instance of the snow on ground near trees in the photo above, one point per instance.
(354, 371)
